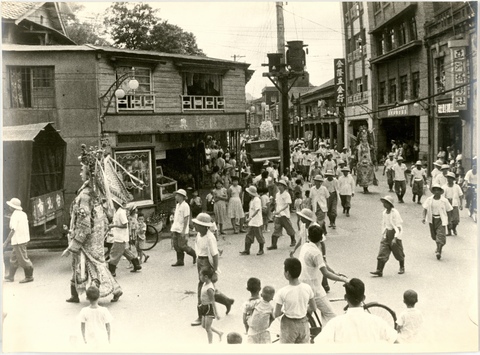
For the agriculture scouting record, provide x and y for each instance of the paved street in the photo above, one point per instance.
(158, 304)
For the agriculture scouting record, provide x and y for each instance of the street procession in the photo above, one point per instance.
(174, 182)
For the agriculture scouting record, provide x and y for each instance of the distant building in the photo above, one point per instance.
(34, 23)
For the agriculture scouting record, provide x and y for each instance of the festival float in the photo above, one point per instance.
(264, 149)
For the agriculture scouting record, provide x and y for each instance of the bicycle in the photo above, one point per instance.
(151, 238)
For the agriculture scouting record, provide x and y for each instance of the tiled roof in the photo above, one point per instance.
(13, 10)
(331, 82)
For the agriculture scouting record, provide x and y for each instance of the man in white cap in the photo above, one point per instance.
(454, 194)
(346, 190)
(391, 237)
(282, 220)
(180, 228)
(435, 212)
(400, 178)
(331, 183)
(18, 237)
(417, 181)
(436, 169)
(255, 222)
(388, 168)
(441, 179)
(319, 195)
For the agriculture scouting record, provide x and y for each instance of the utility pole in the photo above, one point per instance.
(284, 140)
(235, 56)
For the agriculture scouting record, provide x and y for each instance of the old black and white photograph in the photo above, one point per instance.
(184, 177)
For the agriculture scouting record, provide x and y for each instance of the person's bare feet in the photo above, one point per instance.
(220, 335)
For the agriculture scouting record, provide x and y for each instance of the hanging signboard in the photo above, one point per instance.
(459, 60)
(339, 65)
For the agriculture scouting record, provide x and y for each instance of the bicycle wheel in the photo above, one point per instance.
(383, 312)
(151, 238)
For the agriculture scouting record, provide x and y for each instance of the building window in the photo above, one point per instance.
(413, 29)
(440, 75)
(391, 39)
(380, 45)
(202, 84)
(402, 34)
(365, 83)
(377, 6)
(387, 41)
(415, 85)
(141, 98)
(382, 93)
(392, 90)
(403, 88)
(32, 87)
(359, 85)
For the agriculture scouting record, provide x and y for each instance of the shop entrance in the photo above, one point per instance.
(450, 134)
(404, 130)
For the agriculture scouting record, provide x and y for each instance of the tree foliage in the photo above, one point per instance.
(136, 26)
(82, 32)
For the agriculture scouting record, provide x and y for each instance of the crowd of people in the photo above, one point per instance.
(310, 189)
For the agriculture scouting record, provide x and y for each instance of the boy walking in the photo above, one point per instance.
(282, 215)
(454, 195)
(319, 196)
(253, 286)
(391, 237)
(417, 181)
(18, 237)
(180, 228)
(400, 178)
(255, 223)
(296, 300)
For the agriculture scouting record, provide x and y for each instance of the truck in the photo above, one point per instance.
(260, 151)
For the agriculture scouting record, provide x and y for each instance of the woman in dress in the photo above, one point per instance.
(220, 207)
(235, 208)
(88, 227)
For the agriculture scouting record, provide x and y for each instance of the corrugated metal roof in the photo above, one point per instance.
(13, 10)
(89, 47)
(24, 132)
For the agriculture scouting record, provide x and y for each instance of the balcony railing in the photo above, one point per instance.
(136, 102)
(202, 102)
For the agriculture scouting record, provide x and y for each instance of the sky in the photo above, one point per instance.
(248, 30)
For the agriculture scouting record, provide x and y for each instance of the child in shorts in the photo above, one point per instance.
(208, 309)
(410, 322)
(254, 287)
(95, 320)
(141, 236)
(261, 318)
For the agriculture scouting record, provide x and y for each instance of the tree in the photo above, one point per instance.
(82, 32)
(138, 27)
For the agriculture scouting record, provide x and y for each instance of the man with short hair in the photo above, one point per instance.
(18, 237)
(282, 220)
(319, 195)
(180, 228)
(356, 325)
(388, 168)
(400, 178)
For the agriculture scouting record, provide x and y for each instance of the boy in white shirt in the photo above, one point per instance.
(261, 318)
(255, 223)
(417, 181)
(454, 194)
(282, 215)
(293, 302)
(410, 322)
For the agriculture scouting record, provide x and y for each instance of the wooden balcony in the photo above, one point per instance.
(136, 102)
(190, 103)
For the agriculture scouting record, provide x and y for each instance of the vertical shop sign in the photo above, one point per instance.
(459, 78)
(339, 65)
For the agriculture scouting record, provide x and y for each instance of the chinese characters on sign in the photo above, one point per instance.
(340, 87)
(459, 78)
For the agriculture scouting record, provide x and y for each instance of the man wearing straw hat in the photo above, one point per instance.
(18, 237)
(255, 222)
(207, 251)
(436, 169)
(180, 228)
(392, 231)
(435, 212)
(283, 201)
(454, 195)
(417, 181)
(441, 179)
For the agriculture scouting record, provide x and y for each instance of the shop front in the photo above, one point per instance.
(401, 124)
(449, 127)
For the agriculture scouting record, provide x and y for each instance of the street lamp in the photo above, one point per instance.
(116, 91)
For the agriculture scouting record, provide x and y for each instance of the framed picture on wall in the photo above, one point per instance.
(138, 163)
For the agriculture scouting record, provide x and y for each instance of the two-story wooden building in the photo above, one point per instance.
(162, 121)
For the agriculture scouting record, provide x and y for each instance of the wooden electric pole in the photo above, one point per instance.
(235, 56)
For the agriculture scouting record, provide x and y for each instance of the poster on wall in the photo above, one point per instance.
(139, 164)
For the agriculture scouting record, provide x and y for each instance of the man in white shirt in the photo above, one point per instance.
(470, 184)
(255, 222)
(346, 189)
(282, 220)
(436, 169)
(454, 194)
(319, 195)
(180, 228)
(18, 237)
(400, 178)
(356, 325)
(441, 179)
(388, 168)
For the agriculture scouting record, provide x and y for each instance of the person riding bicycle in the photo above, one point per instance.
(357, 325)
(470, 185)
